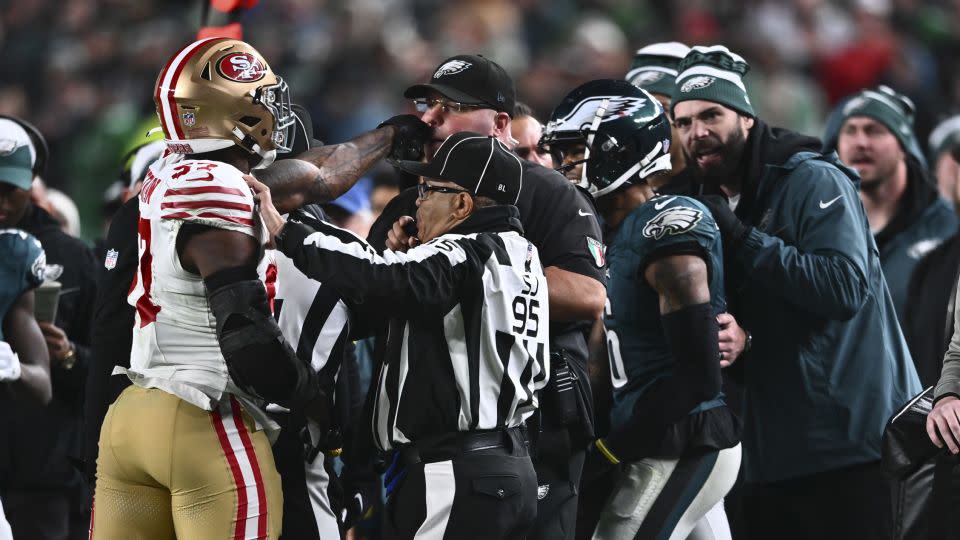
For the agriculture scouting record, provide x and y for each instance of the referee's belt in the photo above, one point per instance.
(449, 446)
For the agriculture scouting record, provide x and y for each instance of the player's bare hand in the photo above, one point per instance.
(271, 218)
(943, 424)
(398, 238)
(58, 344)
(732, 339)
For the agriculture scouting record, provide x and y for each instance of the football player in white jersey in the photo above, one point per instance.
(185, 450)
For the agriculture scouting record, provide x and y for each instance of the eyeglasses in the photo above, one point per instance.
(423, 105)
(424, 188)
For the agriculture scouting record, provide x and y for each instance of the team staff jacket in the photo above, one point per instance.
(829, 365)
(924, 220)
(639, 354)
(467, 312)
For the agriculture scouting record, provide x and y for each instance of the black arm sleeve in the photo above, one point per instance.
(259, 359)
(691, 334)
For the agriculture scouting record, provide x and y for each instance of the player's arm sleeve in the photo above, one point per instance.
(426, 278)
(825, 273)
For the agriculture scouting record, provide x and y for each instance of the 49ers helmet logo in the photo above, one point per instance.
(241, 67)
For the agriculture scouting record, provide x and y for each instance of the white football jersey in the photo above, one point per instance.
(175, 345)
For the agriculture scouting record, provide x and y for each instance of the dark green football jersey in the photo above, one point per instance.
(638, 351)
(21, 267)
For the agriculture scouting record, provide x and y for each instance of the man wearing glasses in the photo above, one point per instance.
(470, 306)
(473, 93)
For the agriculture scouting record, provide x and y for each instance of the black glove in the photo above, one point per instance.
(358, 500)
(410, 138)
(731, 228)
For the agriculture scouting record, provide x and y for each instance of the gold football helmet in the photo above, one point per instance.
(219, 92)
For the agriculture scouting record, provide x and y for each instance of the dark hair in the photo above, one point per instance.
(521, 109)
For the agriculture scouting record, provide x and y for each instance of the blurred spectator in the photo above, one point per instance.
(527, 131)
(931, 294)
(351, 211)
(907, 216)
(944, 147)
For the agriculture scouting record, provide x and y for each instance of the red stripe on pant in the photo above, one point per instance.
(255, 465)
(241, 518)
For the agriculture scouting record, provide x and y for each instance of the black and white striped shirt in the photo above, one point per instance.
(468, 316)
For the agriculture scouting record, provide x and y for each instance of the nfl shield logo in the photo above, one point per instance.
(189, 119)
(111, 261)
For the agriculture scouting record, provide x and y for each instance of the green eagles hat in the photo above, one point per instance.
(885, 105)
(713, 74)
(654, 67)
(16, 155)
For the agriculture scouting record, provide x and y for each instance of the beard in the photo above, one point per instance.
(722, 168)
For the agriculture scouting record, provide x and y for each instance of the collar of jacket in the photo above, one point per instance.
(492, 219)
(917, 197)
(36, 219)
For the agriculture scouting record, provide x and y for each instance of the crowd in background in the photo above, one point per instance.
(83, 70)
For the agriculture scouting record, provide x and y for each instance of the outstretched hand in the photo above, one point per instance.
(269, 215)
(731, 228)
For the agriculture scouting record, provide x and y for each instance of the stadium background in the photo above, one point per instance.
(83, 70)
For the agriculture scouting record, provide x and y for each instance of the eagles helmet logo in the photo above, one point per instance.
(697, 83)
(676, 220)
(582, 116)
(452, 67)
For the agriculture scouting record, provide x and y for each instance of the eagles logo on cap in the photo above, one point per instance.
(7, 147)
(241, 67)
(451, 67)
(696, 83)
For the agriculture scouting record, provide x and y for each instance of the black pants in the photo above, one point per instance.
(850, 503)
(484, 494)
(44, 515)
(557, 498)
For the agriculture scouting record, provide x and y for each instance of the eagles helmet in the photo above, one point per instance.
(625, 132)
(219, 92)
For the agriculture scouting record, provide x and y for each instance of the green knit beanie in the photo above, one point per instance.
(654, 67)
(883, 104)
(713, 74)
(944, 137)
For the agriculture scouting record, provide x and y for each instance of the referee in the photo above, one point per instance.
(468, 349)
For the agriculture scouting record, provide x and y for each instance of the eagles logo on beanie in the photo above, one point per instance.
(654, 67)
(713, 74)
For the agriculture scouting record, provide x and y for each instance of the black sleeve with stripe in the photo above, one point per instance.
(427, 278)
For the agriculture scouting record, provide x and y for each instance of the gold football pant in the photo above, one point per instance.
(168, 469)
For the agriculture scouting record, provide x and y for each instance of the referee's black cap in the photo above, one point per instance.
(478, 163)
(471, 79)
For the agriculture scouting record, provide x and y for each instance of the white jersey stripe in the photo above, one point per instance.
(168, 85)
(232, 423)
(440, 487)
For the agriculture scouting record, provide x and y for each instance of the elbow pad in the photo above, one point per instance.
(259, 359)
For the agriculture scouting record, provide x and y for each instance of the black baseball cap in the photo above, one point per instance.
(470, 79)
(478, 163)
